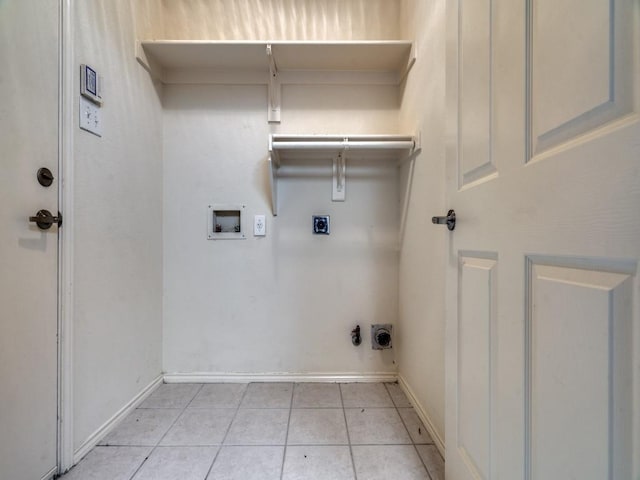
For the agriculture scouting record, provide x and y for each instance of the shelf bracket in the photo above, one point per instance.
(413, 55)
(340, 174)
(273, 183)
(275, 89)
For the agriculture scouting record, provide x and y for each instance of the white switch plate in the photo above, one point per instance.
(90, 118)
(259, 225)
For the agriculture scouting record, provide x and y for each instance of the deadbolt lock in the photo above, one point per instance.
(45, 177)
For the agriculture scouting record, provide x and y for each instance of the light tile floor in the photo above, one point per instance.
(267, 431)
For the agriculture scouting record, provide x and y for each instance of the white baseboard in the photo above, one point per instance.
(110, 424)
(426, 420)
(50, 474)
(205, 377)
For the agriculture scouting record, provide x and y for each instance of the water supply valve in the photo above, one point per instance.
(356, 339)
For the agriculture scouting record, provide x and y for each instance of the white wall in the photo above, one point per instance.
(422, 260)
(281, 19)
(118, 224)
(285, 303)
(256, 305)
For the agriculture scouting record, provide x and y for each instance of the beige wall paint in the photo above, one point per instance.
(285, 303)
(422, 258)
(281, 19)
(118, 223)
(254, 305)
(149, 19)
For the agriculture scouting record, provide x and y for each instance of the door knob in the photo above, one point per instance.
(44, 219)
(449, 220)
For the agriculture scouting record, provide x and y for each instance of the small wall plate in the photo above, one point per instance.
(90, 84)
(321, 225)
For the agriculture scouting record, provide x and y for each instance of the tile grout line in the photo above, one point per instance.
(165, 433)
(346, 425)
(407, 429)
(286, 438)
(227, 431)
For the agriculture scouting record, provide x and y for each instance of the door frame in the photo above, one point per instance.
(66, 88)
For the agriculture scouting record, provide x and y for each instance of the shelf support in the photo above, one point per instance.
(413, 55)
(339, 174)
(275, 89)
(273, 182)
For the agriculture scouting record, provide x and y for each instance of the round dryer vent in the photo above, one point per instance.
(381, 336)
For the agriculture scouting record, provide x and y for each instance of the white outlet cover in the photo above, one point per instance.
(90, 118)
(259, 225)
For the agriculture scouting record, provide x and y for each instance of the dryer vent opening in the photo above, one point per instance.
(381, 336)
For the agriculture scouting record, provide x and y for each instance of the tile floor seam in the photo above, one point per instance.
(439, 454)
(316, 445)
(155, 447)
(316, 408)
(227, 432)
(286, 438)
(346, 425)
(215, 457)
(415, 448)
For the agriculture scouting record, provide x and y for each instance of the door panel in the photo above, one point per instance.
(552, 370)
(580, 57)
(28, 256)
(476, 324)
(476, 161)
(578, 328)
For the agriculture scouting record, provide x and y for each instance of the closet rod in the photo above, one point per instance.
(333, 145)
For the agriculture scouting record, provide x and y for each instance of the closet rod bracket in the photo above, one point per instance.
(275, 89)
(339, 174)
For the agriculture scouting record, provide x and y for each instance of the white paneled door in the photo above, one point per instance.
(543, 328)
(28, 255)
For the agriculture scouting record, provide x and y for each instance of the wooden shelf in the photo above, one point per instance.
(169, 59)
(336, 149)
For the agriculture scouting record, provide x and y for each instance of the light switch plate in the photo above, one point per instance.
(259, 225)
(90, 118)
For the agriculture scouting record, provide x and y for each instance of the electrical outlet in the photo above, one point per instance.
(321, 224)
(90, 119)
(259, 225)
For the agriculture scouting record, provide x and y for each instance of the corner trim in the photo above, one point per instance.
(206, 377)
(65, 236)
(426, 420)
(110, 424)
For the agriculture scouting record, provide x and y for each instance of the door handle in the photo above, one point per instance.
(44, 219)
(449, 220)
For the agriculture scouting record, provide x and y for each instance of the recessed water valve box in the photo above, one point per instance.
(381, 336)
(321, 224)
(226, 222)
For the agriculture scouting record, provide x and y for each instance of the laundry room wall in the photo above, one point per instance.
(117, 277)
(422, 274)
(285, 303)
(281, 19)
